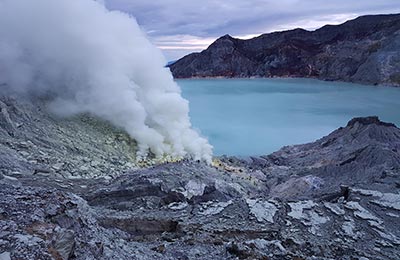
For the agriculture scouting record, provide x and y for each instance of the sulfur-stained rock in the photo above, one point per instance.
(335, 198)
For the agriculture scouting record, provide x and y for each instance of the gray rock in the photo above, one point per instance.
(335, 198)
(44, 143)
(362, 50)
(5, 256)
(262, 210)
(64, 243)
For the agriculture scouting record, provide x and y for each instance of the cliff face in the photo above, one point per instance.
(364, 50)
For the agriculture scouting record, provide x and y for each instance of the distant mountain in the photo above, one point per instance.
(364, 50)
(169, 63)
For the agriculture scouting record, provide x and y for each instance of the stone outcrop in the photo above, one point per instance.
(33, 141)
(364, 50)
(335, 198)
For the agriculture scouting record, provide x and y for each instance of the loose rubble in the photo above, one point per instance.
(336, 198)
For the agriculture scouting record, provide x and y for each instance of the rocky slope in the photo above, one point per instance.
(364, 50)
(336, 198)
(33, 141)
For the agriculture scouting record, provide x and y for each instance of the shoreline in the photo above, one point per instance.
(288, 77)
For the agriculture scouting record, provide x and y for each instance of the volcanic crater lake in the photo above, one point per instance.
(246, 117)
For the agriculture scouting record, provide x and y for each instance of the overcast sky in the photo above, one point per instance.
(180, 27)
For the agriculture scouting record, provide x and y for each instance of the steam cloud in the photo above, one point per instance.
(98, 61)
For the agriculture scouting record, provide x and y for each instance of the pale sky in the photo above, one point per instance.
(180, 27)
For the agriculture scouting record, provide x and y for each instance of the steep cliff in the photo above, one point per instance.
(364, 50)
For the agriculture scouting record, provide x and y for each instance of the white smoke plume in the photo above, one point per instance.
(97, 61)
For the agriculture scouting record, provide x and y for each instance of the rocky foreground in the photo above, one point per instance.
(336, 198)
(364, 50)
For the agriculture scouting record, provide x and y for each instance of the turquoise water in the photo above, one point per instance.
(258, 116)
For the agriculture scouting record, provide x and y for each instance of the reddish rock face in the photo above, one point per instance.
(364, 50)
